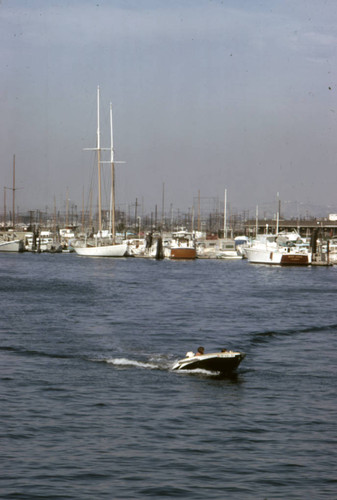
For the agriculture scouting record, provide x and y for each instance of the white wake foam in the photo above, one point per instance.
(199, 371)
(131, 362)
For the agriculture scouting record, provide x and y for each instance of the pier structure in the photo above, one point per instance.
(326, 228)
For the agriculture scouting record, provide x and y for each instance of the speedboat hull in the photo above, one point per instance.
(223, 362)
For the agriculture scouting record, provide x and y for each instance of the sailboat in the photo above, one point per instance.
(99, 248)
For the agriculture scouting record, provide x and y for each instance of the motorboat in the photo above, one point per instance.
(223, 362)
(182, 245)
(218, 249)
(241, 245)
(282, 249)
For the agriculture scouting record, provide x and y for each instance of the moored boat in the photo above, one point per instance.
(11, 246)
(103, 247)
(182, 245)
(283, 249)
(112, 250)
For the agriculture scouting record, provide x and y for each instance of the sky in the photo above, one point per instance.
(207, 96)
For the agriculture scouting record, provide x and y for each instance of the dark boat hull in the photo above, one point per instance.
(220, 362)
(295, 260)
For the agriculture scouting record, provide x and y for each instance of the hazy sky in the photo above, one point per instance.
(207, 95)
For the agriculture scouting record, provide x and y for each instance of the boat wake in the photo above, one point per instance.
(163, 364)
(21, 351)
(266, 336)
(126, 363)
(210, 375)
(155, 362)
(199, 371)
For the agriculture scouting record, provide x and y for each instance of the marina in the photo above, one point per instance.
(284, 248)
(168, 250)
(207, 236)
(270, 242)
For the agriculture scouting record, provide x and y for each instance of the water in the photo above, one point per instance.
(91, 410)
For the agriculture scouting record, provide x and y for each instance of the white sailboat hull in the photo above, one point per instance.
(11, 246)
(118, 250)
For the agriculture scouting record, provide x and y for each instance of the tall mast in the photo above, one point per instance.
(112, 163)
(55, 214)
(67, 207)
(278, 213)
(225, 216)
(98, 149)
(112, 195)
(5, 207)
(99, 167)
(163, 207)
(112, 199)
(13, 191)
(256, 220)
(83, 208)
(199, 211)
(90, 210)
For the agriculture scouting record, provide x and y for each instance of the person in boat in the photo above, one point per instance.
(200, 351)
(223, 350)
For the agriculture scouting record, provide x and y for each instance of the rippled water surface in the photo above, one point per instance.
(90, 408)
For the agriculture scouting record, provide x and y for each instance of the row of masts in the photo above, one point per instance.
(112, 211)
(112, 217)
(98, 149)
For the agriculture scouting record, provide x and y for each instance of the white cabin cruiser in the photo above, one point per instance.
(223, 362)
(282, 249)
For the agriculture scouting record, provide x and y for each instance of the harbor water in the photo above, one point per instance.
(90, 408)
